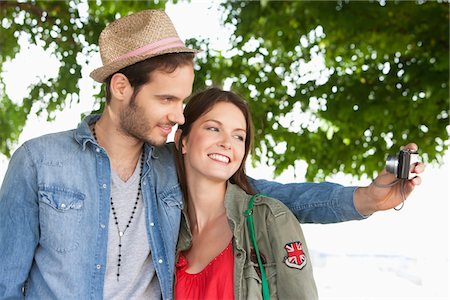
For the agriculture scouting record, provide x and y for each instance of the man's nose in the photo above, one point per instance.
(177, 116)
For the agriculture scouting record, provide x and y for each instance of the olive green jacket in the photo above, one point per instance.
(277, 231)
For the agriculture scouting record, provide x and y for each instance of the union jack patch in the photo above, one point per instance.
(296, 257)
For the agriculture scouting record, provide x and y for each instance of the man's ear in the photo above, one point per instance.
(177, 138)
(121, 88)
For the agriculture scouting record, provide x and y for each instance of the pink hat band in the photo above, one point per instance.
(135, 38)
(153, 48)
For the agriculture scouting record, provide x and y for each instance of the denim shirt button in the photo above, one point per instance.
(104, 185)
(152, 224)
(144, 183)
(63, 205)
(98, 150)
(98, 267)
(160, 261)
(102, 226)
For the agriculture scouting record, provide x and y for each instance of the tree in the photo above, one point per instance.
(384, 79)
(70, 29)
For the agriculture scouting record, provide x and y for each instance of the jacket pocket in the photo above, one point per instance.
(253, 280)
(60, 212)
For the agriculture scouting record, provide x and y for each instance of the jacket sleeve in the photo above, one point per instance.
(294, 277)
(19, 224)
(313, 202)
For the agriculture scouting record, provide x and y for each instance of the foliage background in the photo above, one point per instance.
(383, 81)
(352, 260)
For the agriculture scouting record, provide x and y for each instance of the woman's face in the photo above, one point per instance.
(215, 146)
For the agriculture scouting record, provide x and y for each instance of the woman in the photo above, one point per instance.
(216, 257)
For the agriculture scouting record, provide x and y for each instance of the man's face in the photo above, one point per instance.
(158, 106)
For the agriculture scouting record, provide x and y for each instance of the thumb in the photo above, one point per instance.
(385, 178)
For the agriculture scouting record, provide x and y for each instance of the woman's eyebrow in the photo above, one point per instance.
(220, 123)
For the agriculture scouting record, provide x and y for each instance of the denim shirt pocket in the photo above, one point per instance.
(173, 204)
(60, 212)
(172, 196)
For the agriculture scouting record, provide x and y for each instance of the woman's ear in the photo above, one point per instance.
(177, 138)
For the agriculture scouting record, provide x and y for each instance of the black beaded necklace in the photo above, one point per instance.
(116, 221)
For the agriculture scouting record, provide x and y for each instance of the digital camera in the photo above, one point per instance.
(402, 164)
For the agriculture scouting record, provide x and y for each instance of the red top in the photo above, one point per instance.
(215, 281)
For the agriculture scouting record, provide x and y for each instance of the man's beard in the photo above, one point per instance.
(134, 123)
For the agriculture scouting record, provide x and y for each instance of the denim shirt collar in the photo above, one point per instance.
(83, 135)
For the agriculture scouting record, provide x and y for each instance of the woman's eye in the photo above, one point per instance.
(240, 138)
(212, 129)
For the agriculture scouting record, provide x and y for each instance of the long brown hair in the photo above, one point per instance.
(200, 104)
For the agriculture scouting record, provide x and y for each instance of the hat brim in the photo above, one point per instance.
(100, 74)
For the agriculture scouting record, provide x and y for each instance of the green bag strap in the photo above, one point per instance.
(251, 226)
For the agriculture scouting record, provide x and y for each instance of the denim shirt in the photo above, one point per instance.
(54, 209)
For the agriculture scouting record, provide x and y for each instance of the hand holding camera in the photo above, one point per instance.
(403, 164)
(393, 185)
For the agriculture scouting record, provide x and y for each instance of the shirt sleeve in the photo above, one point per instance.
(313, 202)
(19, 224)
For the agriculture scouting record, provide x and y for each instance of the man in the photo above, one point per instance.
(94, 212)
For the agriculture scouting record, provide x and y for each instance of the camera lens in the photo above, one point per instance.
(392, 164)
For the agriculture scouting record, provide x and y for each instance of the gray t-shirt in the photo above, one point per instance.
(138, 278)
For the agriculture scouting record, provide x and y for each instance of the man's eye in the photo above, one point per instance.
(166, 99)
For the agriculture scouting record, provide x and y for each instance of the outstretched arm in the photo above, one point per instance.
(313, 202)
(331, 203)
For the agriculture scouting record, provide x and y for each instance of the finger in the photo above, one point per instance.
(409, 186)
(416, 180)
(411, 146)
(385, 178)
(419, 168)
(383, 173)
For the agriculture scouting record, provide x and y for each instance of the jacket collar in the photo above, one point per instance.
(236, 201)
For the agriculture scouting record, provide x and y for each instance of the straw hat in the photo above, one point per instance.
(134, 38)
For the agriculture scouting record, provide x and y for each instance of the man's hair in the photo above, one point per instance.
(199, 105)
(140, 73)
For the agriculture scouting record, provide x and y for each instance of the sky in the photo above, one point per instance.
(391, 255)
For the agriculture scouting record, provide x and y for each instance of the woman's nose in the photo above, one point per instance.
(225, 143)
